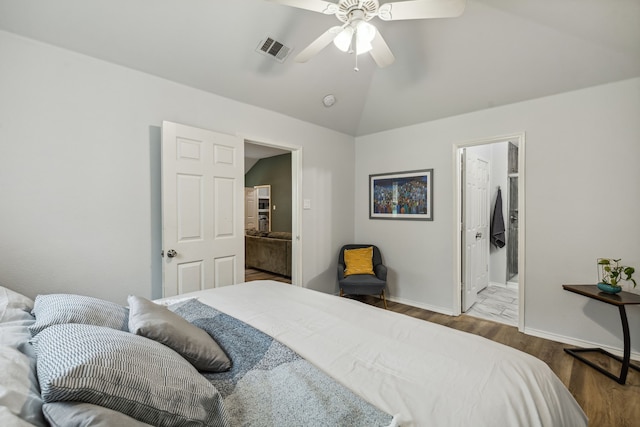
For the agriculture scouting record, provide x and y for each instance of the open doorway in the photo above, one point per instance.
(272, 219)
(490, 238)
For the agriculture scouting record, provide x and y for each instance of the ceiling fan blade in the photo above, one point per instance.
(318, 44)
(421, 9)
(314, 5)
(380, 51)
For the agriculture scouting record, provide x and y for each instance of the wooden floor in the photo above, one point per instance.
(251, 274)
(606, 403)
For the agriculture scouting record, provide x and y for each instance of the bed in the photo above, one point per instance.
(364, 366)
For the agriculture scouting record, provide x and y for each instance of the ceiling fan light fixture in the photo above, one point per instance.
(362, 46)
(343, 39)
(365, 33)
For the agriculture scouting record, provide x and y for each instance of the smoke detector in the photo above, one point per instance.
(329, 100)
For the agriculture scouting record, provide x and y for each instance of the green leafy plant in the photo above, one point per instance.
(612, 273)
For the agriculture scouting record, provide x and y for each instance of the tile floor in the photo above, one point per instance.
(497, 303)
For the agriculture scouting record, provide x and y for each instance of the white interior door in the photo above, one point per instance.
(475, 226)
(202, 209)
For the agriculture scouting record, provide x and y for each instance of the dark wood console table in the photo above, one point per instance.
(620, 299)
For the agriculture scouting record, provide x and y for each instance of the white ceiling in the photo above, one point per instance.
(254, 152)
(498, 52)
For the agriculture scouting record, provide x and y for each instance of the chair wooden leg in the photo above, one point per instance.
(341, 292)
(384, 300)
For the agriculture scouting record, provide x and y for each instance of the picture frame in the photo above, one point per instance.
(401, 195)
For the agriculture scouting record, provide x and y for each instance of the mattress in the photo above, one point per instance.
(423, 373)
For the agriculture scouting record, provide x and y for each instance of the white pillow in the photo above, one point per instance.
(13, 303)
(19, 394)
(8, 418)
(20, 402)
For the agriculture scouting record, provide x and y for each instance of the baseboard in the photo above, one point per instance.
(578, 343)
(417, 304)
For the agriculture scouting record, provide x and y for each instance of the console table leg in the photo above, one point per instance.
(627, 345)
(619, 300)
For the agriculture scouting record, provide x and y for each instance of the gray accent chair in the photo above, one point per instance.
(363, 284)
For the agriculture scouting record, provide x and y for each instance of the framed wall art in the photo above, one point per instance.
(401, 195)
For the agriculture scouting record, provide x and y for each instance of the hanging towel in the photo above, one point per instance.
(497, 223)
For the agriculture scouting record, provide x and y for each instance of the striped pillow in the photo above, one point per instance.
(54, 309)
(124, 372)
(78, 414)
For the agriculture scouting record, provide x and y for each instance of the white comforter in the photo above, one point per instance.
(426, 374)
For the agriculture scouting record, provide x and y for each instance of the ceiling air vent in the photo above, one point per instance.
(274, 49)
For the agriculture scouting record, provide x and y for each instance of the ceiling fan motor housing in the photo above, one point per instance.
(346, 8)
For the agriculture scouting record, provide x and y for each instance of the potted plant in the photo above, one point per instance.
(611, 273)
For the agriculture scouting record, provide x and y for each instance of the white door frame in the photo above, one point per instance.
(519, 139)
(296, 205)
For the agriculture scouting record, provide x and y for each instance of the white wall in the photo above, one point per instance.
(79, 166)
(582, 186)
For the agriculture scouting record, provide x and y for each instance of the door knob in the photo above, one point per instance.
(171, 253)
(478, 235)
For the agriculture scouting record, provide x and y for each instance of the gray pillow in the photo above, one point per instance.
(77, 414)
(54, 309)
(124, 372)
(160, 324)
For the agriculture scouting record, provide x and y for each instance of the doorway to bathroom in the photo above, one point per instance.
(490, 239)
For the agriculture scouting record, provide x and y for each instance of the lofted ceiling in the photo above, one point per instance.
(498, 52)
(254, 152)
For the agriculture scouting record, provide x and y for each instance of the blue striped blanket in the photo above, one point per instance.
(271, 385)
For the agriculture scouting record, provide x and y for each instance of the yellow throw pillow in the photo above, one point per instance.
(358, 261)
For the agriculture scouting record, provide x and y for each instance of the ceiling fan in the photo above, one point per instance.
(357, 34)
